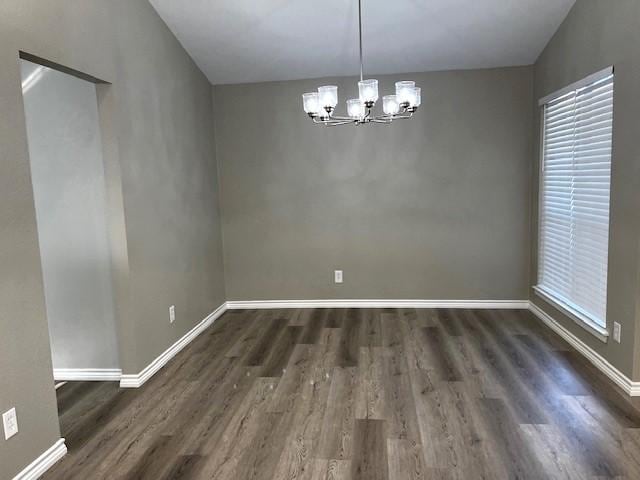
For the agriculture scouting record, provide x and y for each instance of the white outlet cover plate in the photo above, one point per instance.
(10, 423)
(616, 331)
(337, 276)
(172, 313)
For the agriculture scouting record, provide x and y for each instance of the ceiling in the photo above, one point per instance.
(240, 41)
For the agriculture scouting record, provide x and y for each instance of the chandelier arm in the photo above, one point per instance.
(333, 121)
(337, 124)
(343, 119)
(397, 116)
(390, 118)
(320, 121)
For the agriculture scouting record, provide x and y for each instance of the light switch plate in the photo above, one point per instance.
(337, 276)
(10, 423)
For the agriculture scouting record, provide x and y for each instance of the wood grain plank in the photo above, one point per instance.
(370, 396)
(517, 457)
(405, 460)
(372, 329)
(336, 438)
(263, 345)
(314, 326)
(185, 467)
(400, 408)
(370, 451)
(351, 339)
(243, 344)
(442, 359)
(224, 460)
(283, 346)
(331, 470)
(334, 318)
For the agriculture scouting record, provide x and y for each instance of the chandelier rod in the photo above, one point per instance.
(360, 29)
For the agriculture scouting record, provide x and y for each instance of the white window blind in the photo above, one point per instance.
(574, 197)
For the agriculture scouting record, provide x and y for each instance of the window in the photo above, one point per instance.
(574, 199)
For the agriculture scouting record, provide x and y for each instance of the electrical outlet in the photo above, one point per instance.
(172, 313)
(617, 330)
(337, 276)
(10, 423)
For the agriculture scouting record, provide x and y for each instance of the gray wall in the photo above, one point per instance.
(158, 145)
(597, 34)
(436, 207)
(67, 172)
(169, 178)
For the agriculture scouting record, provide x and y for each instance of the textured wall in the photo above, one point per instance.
(597, 34)
(432, 208)
(159, 111)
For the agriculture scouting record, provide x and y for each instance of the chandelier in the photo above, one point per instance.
(321, 105)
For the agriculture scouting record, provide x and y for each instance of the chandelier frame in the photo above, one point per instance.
(324, 115)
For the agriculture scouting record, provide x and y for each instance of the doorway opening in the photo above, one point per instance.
(70, 194)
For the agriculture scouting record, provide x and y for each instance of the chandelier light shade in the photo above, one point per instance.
(320, 106)
(328, 96)
(311, 102)
(390, 105)
(356, 109)
(368, 90)
(405, 92)
(417, 97)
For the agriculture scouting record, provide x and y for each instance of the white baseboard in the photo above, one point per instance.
(87, 374)
(356, 303)
(44, 462)
(625, 383)
(138, 379)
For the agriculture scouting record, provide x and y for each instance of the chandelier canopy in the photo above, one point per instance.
(321, 105)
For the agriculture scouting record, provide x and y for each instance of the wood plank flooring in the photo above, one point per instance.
(358, 394)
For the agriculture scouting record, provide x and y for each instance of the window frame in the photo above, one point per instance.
(565, 306)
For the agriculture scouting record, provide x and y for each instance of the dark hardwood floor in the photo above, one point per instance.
(358, 394)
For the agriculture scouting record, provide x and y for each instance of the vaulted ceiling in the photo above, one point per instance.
(238, 41)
